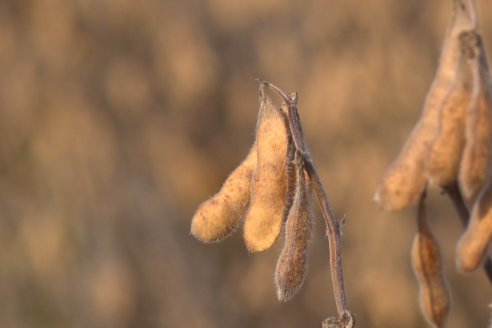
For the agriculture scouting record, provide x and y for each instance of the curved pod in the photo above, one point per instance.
(220, 215)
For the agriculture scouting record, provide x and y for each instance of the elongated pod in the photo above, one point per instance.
(477, 155)
(434, 294)
(446, 148)
(220, 215)
(270, 179)
(474, 243)
(404, 180)
(292, 263)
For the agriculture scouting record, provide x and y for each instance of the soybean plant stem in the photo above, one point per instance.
(345, 318)
(454, 194)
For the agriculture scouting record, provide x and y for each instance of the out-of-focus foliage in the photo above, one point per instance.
(117, 118)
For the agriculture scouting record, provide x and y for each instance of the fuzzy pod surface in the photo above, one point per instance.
(269, 184)
(221, 214)
(292, 263)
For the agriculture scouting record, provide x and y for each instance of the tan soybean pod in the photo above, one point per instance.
(445, 150)
(435, 299)
(404, 180)
(474, 243)
(292, 263)
(291, 170)
(269, 185)
(217, 217)
(476, 161)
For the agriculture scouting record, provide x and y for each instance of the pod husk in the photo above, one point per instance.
(269, 186)
(434, 295)
(292, 263)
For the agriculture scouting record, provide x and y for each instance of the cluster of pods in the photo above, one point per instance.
(450, 147)
(267, 191)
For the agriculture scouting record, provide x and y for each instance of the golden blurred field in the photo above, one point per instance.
(119, 117)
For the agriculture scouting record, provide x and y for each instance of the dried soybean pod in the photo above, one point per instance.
(292, 263)
(445, 150)
(217, 217)
(434, 295)
(474, 243)
(264, 218)
(476, 160)
(404, 180)
(291, 169)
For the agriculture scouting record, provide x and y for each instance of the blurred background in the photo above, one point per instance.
(119, 117)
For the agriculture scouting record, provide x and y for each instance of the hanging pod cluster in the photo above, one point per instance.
(450, 147)
(270, 190)
(257, 191)
(266, 192)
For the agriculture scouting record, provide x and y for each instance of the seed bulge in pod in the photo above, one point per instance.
(476, 161)
(220, 215)
(269, 185)
(474, 244)
(405, 179)
(435, 299)
(446, 148)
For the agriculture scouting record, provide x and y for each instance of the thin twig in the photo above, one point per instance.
(334, 242)
(345, 318)
(454, 194)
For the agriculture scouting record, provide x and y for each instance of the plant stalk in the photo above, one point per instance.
(345, 317)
